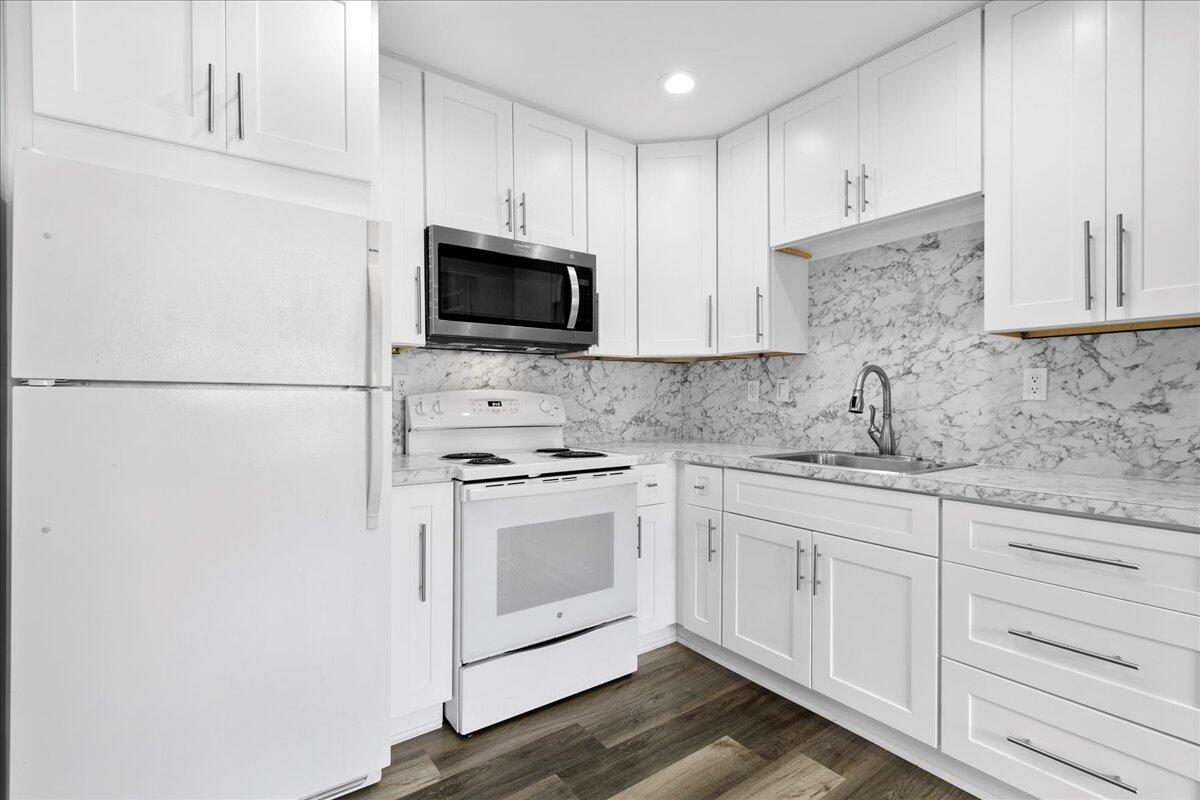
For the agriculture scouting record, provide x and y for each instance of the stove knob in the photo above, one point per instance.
(437, 406)
(545, 406)
(420, 408)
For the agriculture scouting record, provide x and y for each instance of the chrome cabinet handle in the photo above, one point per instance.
(639, 536)
(1033, 637)
(420, 300)
(699, 487)
(524, 213)
(1115, 780)
(816, 555)
(758, 308)
(508, 205)
(1087, 265)
(799, 556)
(573, 314)
(846, 184)
(651, 485)
(1112, 562)
(708, 335)
(711, 551)
(241, 119)
(1120, 260)
(210, 98)
(421, 537)
(862, 187)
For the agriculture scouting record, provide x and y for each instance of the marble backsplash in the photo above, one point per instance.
(1117, 404)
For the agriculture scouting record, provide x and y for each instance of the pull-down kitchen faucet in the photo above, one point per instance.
(884, 437)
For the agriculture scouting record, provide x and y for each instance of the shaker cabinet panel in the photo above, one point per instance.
(549, 179)
(743, 252)
(699, 554)
(612, 238)
(656, 567)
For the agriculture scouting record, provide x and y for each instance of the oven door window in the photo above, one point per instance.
(498, 289)
(548, 562)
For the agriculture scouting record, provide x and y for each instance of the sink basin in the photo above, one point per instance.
(868, 462)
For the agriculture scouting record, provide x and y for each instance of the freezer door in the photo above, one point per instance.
(198, 606)
(119, 276)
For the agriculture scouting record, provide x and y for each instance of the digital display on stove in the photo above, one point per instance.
(495, 403)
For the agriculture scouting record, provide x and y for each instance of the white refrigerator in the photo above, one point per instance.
(200, 440)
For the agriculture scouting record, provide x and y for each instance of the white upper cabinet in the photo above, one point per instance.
(1044, 160)
(743, 253)
(612, 238)
(1153, 159)
(814, 162)
(919, 121)
(677, 237)
(549, 179)
(151, 69)
(302, 85)
(468, 158)
(402, 195)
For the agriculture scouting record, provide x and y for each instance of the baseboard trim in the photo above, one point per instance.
(418, 722)
(652, 640)
(927, 758)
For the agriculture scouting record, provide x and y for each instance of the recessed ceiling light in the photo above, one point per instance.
(678, 83)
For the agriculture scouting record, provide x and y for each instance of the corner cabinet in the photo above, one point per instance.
(422, 600)
(1092, 161)
(286, 83)
(612, 238)
(498, 168)
(762, 296)
(677, 249)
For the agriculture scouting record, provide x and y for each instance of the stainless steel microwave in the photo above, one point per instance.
(493, 293)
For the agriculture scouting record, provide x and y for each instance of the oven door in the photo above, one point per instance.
(544, 557)
(491, 290)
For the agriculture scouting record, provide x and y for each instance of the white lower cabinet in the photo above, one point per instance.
(767, 595)
(422, 598)
(1054, 748)
(699, 600)
(875, 637)
(656, 567)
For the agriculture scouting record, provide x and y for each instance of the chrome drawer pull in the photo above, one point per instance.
(1112, 562)
(711, 551)
(1115, 780)
(639, 536)
(799, 574)
(1033, 637)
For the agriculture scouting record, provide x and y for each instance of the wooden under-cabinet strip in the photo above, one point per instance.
(676, 359)
(1107, 327)
(795, 251)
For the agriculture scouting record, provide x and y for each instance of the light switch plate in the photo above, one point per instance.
(783, 390)
(1034, 386)
(753, 391)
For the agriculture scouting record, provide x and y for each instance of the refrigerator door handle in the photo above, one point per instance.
(376, 433)
(374, 306)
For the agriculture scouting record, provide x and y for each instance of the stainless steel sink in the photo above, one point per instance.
(867, 462)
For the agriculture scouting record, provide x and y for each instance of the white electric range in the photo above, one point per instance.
(545, 552)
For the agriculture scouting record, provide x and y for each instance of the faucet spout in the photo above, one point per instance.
(883, 435)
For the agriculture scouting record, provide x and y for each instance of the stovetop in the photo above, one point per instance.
(489, 465)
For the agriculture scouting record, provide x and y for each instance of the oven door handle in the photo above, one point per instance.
(544, 486)
(573, 315)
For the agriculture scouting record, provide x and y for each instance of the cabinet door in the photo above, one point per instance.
(814, 162)
(422, 596)
(699, 602)
(743, 253)
(468, 158)
(656, 567)
(875, 644)
(1044, 159)
(550, 179)
(920, 120)
(152, 69)
(677, 246)
(1153, 159)
(767, 595)
(306, 71)
(402, 194)
(612, 238)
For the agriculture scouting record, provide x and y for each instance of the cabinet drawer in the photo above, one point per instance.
(1062, 749)
(1135, 661)
(1133, 562)
(654, 484)
(895, 519)
(701, 486)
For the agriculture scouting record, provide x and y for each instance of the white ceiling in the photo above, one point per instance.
(600, 61)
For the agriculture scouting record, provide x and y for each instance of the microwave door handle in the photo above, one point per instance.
(573, 316)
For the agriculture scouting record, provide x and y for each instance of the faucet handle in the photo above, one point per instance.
(873, 430)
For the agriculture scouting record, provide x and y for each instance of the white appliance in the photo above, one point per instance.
(545, 552)
(200, 438)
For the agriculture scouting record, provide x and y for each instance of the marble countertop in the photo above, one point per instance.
(1162, 502)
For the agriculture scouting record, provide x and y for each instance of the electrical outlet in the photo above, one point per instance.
(753, 391)
(399, 385)
(1034, 387)
(783, 390)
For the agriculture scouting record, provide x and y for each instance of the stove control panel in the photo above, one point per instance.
(483, 408)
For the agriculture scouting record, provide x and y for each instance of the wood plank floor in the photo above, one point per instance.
(680, 728)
